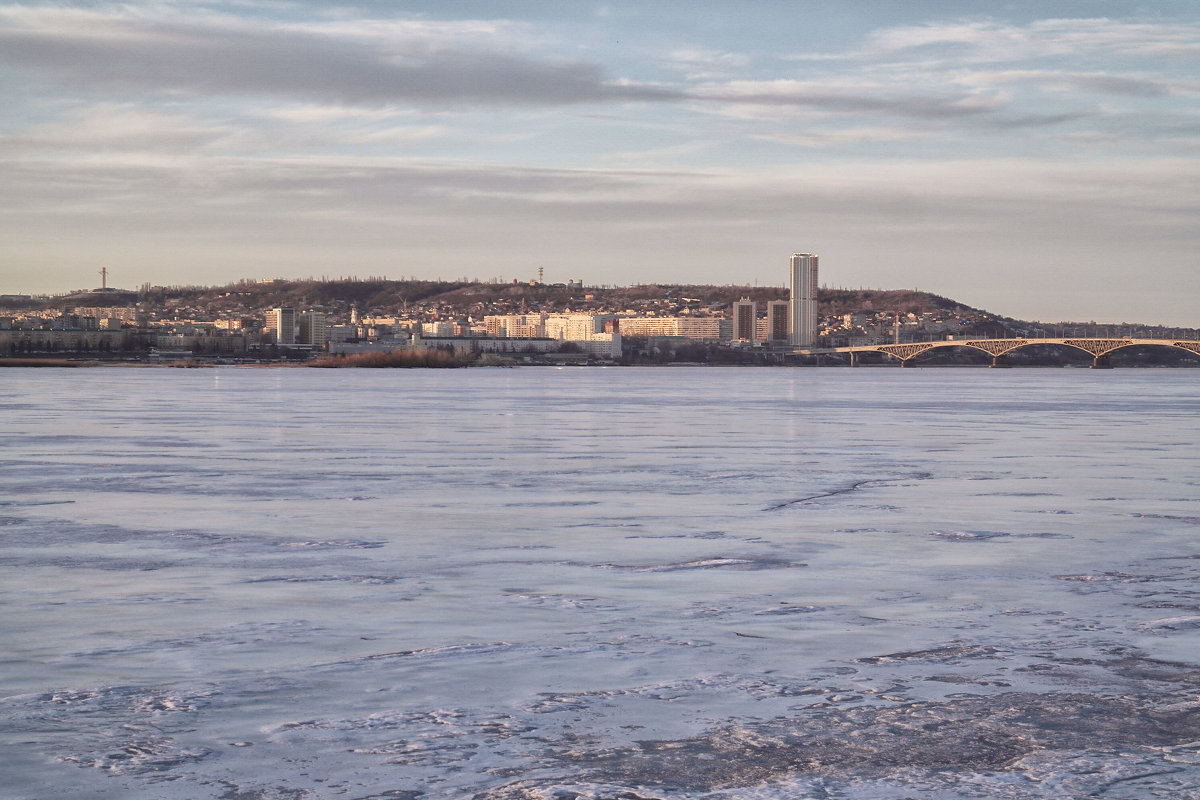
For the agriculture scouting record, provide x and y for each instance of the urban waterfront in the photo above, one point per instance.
(601, 582)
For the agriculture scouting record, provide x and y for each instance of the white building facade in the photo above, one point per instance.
(804, 299)
(704, 328)
(575, 327)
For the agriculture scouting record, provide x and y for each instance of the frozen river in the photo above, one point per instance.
(684, 583)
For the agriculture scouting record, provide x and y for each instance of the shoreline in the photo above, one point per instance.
(66, 363)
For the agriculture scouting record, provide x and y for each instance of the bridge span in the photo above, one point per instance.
(1098, 348)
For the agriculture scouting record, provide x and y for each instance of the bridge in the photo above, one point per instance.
(1098, 348)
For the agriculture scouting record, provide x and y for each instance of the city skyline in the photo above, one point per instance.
(1037, 160)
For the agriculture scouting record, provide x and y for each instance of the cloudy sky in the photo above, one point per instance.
(1035, 158)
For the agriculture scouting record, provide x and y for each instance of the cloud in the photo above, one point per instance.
(703, 64)
(991, 41)
(400, 134)
(1120, 85)
(315, 113)
(373, 185)
(962, 79)
(107, 129)
(859, 135)
(342, 70)
(205, 56)
(874, 100)
(1133, 84)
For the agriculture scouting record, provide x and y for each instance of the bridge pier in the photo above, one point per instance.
(1000, 362)
(853, 358)
(906, 363)
(1101, 362)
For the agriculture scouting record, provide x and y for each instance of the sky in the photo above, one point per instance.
(1040, 160)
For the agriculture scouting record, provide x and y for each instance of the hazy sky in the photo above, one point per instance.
(1038, 159)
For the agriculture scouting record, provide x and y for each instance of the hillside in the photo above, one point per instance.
(468, 299)
(385, 297)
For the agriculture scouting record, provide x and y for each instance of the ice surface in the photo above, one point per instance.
(600, 583)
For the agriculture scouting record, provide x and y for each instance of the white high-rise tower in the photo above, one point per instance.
(803, 321)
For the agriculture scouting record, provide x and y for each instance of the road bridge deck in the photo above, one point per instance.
(1098, 348)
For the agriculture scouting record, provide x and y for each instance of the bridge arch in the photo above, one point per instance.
(1099, 349)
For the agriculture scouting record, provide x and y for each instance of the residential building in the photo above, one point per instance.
(777, 321)
(575, 327)
(690, 327)
(745, 312)
(516, 326)
(804, 299)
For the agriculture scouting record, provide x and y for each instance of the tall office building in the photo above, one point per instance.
(312, 329)
(804, 299)
(281, 322)
(744, 315)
